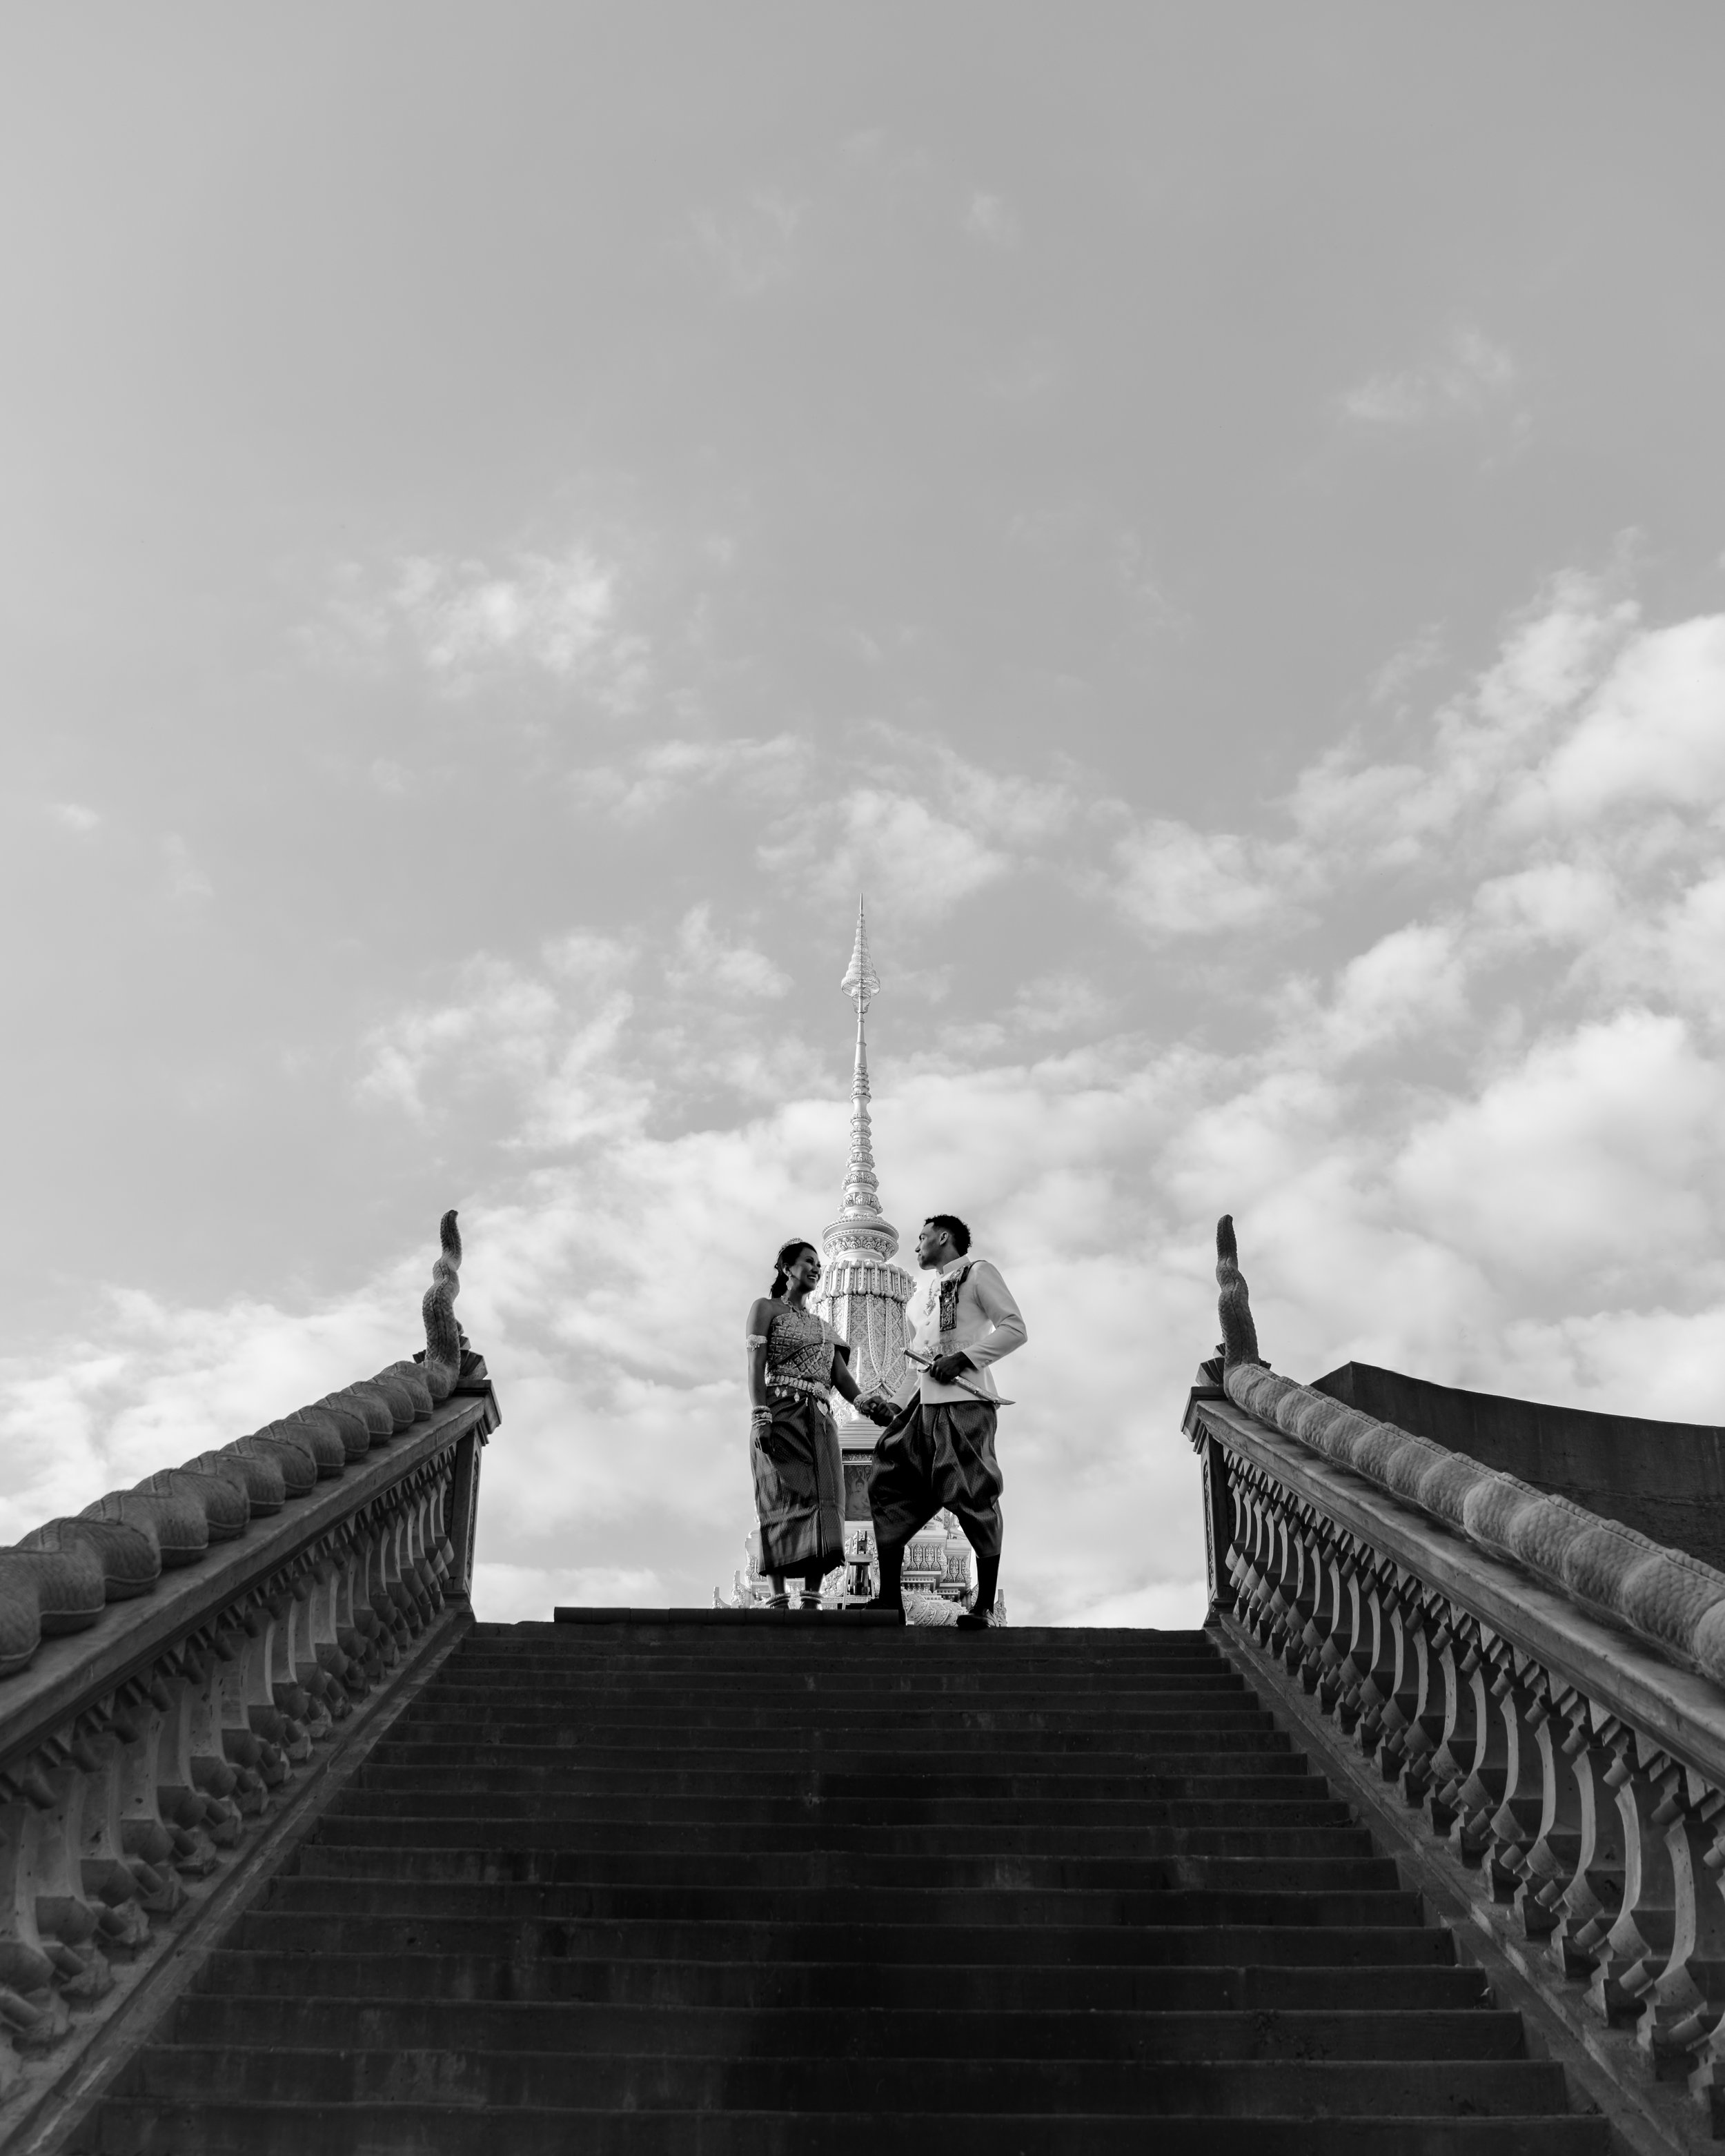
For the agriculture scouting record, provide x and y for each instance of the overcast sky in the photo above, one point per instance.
(512, 515)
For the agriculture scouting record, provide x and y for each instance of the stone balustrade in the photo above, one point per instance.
(174, 1659)
(1545, 1687)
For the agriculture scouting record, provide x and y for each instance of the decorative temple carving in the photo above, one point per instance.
(174, 1658)
(1544, 1686)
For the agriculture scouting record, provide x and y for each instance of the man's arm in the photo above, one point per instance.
(1002, 1312)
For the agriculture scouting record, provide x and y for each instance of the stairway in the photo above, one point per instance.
(806, 1885)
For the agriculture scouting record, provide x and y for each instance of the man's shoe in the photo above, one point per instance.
(971, 1621)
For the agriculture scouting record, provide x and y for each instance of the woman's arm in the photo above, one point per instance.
(844, 1385)
(755, 1327)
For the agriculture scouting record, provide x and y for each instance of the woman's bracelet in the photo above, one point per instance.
(760, 1414)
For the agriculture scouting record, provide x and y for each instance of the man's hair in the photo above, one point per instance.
(954, 1227)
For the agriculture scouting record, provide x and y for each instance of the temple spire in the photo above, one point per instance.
(862, 1191)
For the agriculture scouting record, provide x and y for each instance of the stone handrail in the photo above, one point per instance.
(177, 1655)
(1546, 1687)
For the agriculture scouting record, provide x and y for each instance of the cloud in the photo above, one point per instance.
(539, 1037)
(874, 839)
(1460, 1088)
(73, 816)
(1653, 731)
(726, 969)
(668, 772)
(750, 247)
(1472, 373)
(990, 218)
(186, 880)
(1172, 880)
(1411, 982)
(464, 619)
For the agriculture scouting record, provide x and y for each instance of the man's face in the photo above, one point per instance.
(934, 1246)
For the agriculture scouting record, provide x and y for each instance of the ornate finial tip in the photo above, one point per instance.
(443, 1334)
(1234, 1303)
(860, 980)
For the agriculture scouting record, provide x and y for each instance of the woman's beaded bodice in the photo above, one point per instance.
(799, 1349)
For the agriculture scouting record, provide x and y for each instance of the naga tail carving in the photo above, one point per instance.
(1234, 1303)
(443, 1334)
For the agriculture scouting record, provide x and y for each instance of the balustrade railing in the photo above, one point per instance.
(1546, 1687)
(175, 1658)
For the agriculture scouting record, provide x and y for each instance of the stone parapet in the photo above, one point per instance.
(1545, 1686)
(179, 1654)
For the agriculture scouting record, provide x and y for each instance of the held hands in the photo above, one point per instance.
(878, 1410)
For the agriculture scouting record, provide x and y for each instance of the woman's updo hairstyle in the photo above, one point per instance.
(787, 1252)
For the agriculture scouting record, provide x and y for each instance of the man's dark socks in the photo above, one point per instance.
(891, 1559)
(988, 1579)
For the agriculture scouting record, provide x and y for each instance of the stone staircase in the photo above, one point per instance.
(812, 1886)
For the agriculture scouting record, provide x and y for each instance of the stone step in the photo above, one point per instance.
(1115, 1748)
(495, 2080)
(1243, 1774)
(331, 2023)
(222, 2127)
(780, 1872)
(1277, 1804)
(603, 1900)
(336, 1930)
(708, 1713)
(992, 1986)
(682, 1889)
(1197, 1835)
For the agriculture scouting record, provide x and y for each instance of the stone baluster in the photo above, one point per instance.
(1550, 1861)
(1684, 2002)
(1519, 1693)
(1588, 1904)
(1374, 1654)
(1399, 1599)
(1425, 1618)
(1635, 1950)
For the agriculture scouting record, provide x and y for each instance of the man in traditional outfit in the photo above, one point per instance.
(938, 1452)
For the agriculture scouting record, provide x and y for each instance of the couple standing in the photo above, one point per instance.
(936, 1446)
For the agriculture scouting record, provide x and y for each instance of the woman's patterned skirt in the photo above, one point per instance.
(799, 1485)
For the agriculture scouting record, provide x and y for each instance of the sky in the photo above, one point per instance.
(513, 516)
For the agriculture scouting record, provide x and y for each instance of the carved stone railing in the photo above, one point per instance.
(1545, 1687)
(174, 1658)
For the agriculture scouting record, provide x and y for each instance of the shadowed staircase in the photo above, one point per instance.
(819, 1887)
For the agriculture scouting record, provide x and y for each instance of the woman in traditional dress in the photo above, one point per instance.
(795, 1362)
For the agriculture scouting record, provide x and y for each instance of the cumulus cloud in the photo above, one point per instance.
(463, 619)
(874, 837)
(1173, 880)
(73, 816)
(636, 791)
(1467, 1127)
(705, 961)
(1471, 372)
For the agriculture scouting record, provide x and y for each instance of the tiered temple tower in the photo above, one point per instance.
(863, 1293)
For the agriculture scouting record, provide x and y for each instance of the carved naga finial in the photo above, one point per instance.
(443, 1335)
(1234, 1303)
